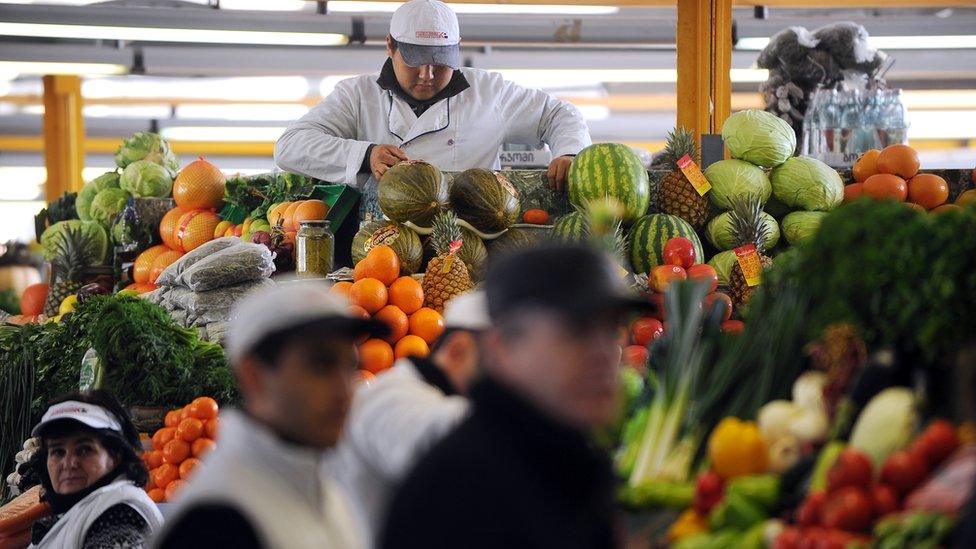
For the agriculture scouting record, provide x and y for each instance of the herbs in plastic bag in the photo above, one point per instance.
(171, 274)
(241, 263)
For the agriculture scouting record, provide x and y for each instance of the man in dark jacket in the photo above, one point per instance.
(521, 471)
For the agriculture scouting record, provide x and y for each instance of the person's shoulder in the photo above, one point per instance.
(210, 524)
(477, 77)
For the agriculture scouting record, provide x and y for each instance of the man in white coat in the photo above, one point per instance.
(407, 409)
(423, 105)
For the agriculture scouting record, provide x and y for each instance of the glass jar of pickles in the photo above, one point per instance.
(314, 249)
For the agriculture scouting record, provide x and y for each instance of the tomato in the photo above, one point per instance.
(726, 303)
(709, 491)
(852, 468)
(679, 251)
(733, 326)
(789, 538)
(849, 509)
(635, 356)
(645, 330)
(658, 301)
(809, 513)
(704, 271)
(938, 442)
(811, 537)
(885, 500)
(904, 471)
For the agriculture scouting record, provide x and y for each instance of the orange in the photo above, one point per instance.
(359, 272)
(199, 185)
(383, 264)
(164, 474)
(167, 227)
(915, 206)
(184, 412)
(190, 429)
(853, 191)
(154, 459)
(158, 495)
(369, 293)
(366, 376)
(33, 298)
(172, 418)
(211, 427)
(946, 208)
(162, 261)
(407, 294)
(358, 312)
(187, 467)
(928, 190)
(396, 319)
(341, 288)
(144, 263)
(308, 210)
(886, 186)
(375, 355)
(900, 160)
(176, 451)
(204, 408)
(964, 199)
(288, 215)
(276, 213)
(866, 165)
(411, 345)
(194, 229)
(428, 324)
(202, 447)
(163, 436)
(174, 488)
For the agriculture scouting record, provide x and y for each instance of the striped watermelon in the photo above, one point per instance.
(651, 233)
(610, 169)
(570, 227)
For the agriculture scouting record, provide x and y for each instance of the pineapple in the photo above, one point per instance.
(676, 194)
(748, 227)
(604, 225)
(446, 275)
(66, 269)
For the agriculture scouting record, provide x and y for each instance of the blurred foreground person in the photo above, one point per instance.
(397, 417)
(520, 471)
(294, 353)
(92, 476)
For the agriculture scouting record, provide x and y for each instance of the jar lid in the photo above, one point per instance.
(314, 223)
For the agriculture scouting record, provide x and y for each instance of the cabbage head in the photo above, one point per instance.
(719, 232)
(94, 240)
(759, 137)
(107, 204)
(807, 183)
(145, 179)
(723, 262)
(147, 146)
(108, 180)
(731, 178)
(801, 226)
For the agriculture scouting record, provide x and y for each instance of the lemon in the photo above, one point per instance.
(68, 305)
(128, 293)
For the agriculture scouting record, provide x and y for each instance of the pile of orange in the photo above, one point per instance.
(291, 214)
(187, 436)
(379, 292)
(893, 174)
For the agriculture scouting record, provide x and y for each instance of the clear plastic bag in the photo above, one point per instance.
(213, 305)
(171, 274)
(241, 263)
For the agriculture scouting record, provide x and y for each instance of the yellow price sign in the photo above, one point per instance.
(749, 262)
(694, 174)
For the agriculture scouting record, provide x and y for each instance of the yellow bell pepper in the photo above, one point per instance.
(689, 523)
(736, 448)
(68, 305)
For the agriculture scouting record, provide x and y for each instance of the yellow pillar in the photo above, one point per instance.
(704, 43)
(64, 135)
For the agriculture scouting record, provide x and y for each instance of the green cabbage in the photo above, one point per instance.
(108, 180)
(147, 146)
(759, 137)
(94, 240)
(719, 232)
(801, 226)
(107, 204)
(730, 178)
(723, 262)
(145, 179)
(807, 183)
(886, 424)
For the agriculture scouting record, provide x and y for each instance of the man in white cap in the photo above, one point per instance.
(423, 105)
(396, 418)
(293, 349)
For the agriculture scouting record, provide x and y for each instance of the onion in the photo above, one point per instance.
(810, 425)
(808, 390)
(775, 418)
(783, 454)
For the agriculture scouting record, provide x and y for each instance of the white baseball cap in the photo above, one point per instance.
(468, 311)
(427, 33)
(91, 415)
(290, 305)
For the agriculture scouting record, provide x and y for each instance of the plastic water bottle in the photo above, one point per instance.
(811, 126)
(850, 125)
(832, 151)
(895, 121)
(868, 137)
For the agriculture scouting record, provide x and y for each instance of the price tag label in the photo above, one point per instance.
(694, 174)
(749, 262)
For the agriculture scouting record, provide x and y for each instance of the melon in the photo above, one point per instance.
(519, 238)
(614, 170)
(405, 242)
(194, 229)
(649, 235)
(167, 226)
(485, 199)
(413, 191)
(570, 227)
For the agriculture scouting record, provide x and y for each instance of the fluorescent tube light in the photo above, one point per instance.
(22, 182)
(950, 42)
(389, 7)
(941, 124)
(46, 67)
(242, 112)
(257, 88)
(127, 111)
(223, 133)
(559, 78)
(156, 34)
(594, 112)
(265, 5)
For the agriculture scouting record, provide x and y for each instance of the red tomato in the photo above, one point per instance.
(885, 500)
(938, 442)
(812, 537)
(658, 301)
(789, 538)
(733, 326)
(809, 513)
(711, 298)
(663, 275)
(904, 471)
(679, 251)
(852, 468)
(635, 356)
(645, 330)
(704, 271)
(849, 509)
(709, 491)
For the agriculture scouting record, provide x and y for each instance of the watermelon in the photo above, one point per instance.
(404, 242)
(519, 238)
(610, 169)
(570, 227)
(413, 191)
(486, 200)
(649, 235)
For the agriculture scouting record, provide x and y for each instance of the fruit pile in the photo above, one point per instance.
(893, 174)
(379, 292)
(178, 448)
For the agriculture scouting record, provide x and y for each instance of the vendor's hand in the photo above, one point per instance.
(382, 157)
(558, 170)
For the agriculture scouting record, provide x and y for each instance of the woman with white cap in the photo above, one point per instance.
(92, 476)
